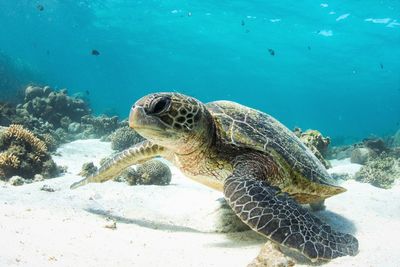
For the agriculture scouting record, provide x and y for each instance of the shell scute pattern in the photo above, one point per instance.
(242, 126)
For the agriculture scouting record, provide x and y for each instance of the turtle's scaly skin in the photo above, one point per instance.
(261, 167)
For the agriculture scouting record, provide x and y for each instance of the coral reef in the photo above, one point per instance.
(381, 171)
(56, 118)
(99, 126)
(124, 137)
(318, 144)
(23, 154)
(53, 106)
(152, 172)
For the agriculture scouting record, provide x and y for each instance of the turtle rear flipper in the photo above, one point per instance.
(277, 216)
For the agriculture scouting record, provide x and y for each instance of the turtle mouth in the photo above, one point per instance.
(145, 125)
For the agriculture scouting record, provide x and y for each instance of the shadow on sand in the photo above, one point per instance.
(236, 238)
(144, 223)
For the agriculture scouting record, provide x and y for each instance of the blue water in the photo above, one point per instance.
(336, 65)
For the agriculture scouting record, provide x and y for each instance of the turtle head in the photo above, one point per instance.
(175, 121)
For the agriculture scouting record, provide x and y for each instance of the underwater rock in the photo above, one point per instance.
(381, 171)
(111, 224)
(361, 155)
(74, 127)
(228, 221)
(47, 188)
(318, 144)
(377, 145)
(32, 92)
(23, 154)
(87, 169)
(16, 180)
(152, 172)
(271, 256)
(38, 178)
(124, 137)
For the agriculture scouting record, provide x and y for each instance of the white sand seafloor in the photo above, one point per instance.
(174, 225)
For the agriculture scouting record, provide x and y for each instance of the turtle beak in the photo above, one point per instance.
(136, 116)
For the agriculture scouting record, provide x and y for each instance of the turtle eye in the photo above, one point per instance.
(159, 105)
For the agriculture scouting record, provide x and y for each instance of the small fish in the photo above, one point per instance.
(40, 7)
(95, 52)
(189, 14)
(380, 64)
(87, 92)
(271, 52)
(247, 30)
(242, 23)
(309, 47)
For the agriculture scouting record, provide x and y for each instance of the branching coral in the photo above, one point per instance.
(8, 161)
(23, 154)
(17, 133)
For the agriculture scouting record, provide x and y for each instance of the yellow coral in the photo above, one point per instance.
(9, 160)
(18, 132)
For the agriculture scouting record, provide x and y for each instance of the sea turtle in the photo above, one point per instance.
(263, 169)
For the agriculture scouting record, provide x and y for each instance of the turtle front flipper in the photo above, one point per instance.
(136, 154)
(277, 216)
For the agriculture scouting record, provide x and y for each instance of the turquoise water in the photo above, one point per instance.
(336, 65)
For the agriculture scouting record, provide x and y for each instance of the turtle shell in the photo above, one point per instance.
(246, 127)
